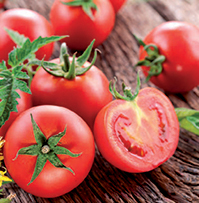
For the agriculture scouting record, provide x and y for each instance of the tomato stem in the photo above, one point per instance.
(87, 6)
(153, 60)
(128, 96)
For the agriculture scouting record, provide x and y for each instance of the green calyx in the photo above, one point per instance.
(46, 149)
(128, 96)
(154, 60)
(87, 6)
(67, 69)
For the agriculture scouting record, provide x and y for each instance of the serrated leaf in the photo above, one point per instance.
(20, 54)
(188, 119)
(19, 39)
(3, 66)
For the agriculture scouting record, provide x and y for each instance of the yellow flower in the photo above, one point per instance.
(4, 178)
(2, 141)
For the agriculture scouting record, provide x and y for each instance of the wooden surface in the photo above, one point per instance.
(177, 180)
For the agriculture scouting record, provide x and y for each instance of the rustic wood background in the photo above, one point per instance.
(177, 180)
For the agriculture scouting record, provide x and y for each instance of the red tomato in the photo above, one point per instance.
(137, 136)
(24, 103)
(2, 2)
(85, 94)
(26, 22)
(178, 42)
(73, 21)
(52, 181)
(117, 4)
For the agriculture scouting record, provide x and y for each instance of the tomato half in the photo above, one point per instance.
(73, 21)
(178, 42)
(24, 103)
(52, 181)
(85, 94)
(117, 4)
(26, 22)
(137, 136)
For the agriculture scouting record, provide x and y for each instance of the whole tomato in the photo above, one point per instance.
(117, 4)
(24, 103)
(171, 60)
(52, 153)
(81, 27)
(137, 133)
(29, 23)
(85, 93)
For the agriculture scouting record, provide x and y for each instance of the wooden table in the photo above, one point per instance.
(177, 180)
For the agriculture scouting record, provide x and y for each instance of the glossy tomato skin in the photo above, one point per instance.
(26, 22)
(178, 42)
(24, 103)
(85, 94)
(137, 136)
(81, 29)
(117, 4)
(52, 181)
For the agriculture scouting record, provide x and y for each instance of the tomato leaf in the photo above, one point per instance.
(19, 39)
(20, 54)
(9, 82)
(188, 119)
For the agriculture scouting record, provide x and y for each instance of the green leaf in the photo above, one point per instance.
(39, 136)
(54, 140)
(40, 163)
(19, 39)
(188, 119)
(5, 200)
(20, 54)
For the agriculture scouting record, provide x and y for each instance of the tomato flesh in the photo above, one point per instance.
(140, 135)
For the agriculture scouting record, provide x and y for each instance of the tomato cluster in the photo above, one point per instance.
(51, 139)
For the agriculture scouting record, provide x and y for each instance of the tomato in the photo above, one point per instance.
(137, 135)
(52, 181)
(117, 4)
(24, 103)
(26, 22)
(2, 2)
(178, 42)
(73, 21)
(85, 94)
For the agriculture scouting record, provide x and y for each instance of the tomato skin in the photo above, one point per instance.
(52, 181)
(85, 94)
(117, 4)
(81, 29)
(26, 22)
(24, 103)
(148, 125)
(178, 42)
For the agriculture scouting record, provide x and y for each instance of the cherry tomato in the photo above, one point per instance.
(117, 4)
(51, 120)
(137, 135)
(29, 23)
(178, 42)
(73, 21)
(24, 103)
